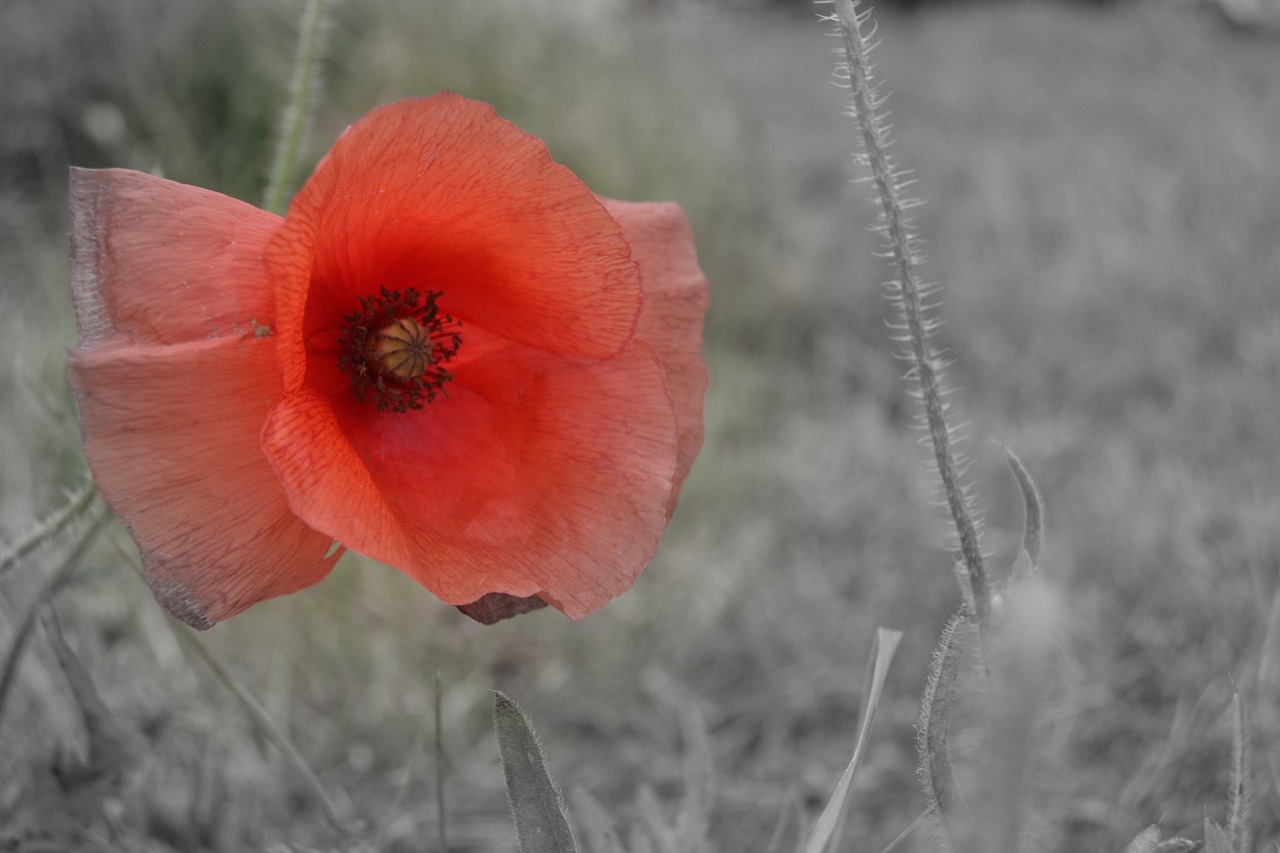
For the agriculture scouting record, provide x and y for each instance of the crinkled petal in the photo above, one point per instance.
(440, 194)
(676, 297)
(537, 475)
(158, 262)
(172, 437)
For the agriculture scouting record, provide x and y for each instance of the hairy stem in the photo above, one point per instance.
(907, 290)
(297, 114)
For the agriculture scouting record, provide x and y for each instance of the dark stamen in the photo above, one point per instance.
(395, 348)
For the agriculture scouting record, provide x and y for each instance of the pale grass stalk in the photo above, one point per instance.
(882, 652)
(49, 527)
(59, 576)
(906, 833)
(266, 726)
(303, 91)
(1240, 797)
(406, 778)
(442, 830)
(909, 294)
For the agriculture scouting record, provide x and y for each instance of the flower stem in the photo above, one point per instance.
(302, 95)
(907, 290)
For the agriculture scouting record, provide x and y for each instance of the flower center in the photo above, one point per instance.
(394, 349)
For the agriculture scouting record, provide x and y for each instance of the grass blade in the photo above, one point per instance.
(1241, 795)
(694, 819)
(48, 527)
(906, 833)
(9, 669)
(442, 832)
(1033, 529)
(598, 826)
(114, 745)
(882, 651)
(542, 824)
(263, 723)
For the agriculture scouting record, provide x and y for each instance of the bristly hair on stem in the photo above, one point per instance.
(909, 295)
(303, 91)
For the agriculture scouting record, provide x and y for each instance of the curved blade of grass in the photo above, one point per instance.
(1033, 530)
(113, 742)
(882, 651)
(542, 824)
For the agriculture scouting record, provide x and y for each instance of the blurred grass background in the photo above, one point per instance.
(1103, 208)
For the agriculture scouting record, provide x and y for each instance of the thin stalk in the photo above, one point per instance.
(265, 725)
(907, 291)
(50, 527)
(439, 747)
(59, 576)
(297, 114)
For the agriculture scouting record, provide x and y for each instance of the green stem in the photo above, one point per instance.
(297, 115)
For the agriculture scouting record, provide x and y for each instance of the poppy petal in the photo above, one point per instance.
(676, 297)
(172, 437)
(493, 607)
(439, 194)
(537, 475)
(158, 262)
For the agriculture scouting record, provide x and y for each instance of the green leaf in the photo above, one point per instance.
(881, 656)
(542, 824)
(263, 726)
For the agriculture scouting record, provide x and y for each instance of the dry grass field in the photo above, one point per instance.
(1103, 206)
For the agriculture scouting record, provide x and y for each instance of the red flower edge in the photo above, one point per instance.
(221, 426)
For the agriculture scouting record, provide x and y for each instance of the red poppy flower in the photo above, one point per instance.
(449, 356)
